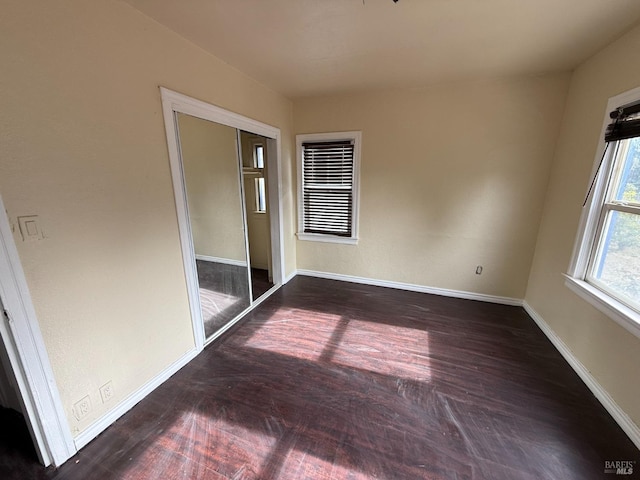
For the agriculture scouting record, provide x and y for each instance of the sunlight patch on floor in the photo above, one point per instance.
(371, 346)
(298, 464)
(192, 440)
(215, 303)
(301, 333)
(409, 347)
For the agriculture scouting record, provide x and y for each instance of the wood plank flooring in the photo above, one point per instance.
(260, 282)
(224, 293)
(332, 380)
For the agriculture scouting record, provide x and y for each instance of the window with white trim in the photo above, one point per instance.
(605, 268)
(328, 180)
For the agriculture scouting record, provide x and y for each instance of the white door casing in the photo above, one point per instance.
(27, 354)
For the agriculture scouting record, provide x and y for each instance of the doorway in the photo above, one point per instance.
(15, 437)
(215, 212)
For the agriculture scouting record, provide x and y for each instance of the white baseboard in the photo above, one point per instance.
(630, 428)
(226, 261)
(97, 427)
(242, 314)
(413, 287)
(290, 277)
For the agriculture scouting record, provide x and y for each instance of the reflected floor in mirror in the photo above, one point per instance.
(333, 380)
(260, 282)
(224, 293)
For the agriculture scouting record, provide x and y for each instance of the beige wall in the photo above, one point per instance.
(84, 148)
(437, 201)
(212, 177)
(609, 352)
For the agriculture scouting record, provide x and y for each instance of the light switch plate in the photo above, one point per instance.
(30, 228)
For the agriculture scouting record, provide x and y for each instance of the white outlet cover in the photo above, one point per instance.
(82, 408)
(106, 392)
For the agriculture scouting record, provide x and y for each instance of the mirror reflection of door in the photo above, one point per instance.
(214, 198)
(255, 173)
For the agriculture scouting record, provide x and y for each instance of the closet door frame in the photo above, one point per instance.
(174, 103)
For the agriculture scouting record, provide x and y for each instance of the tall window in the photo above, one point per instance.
(615, 261)
(258, 156)
(328, 186)
(605, 268)
(261, 195)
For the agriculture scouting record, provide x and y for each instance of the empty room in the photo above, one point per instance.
(320, 239)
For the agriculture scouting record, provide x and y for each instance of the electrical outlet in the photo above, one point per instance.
(106, 391)
(479, 270)
(82, 408)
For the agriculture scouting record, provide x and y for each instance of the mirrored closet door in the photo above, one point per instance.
(224, 200)
(214, 198)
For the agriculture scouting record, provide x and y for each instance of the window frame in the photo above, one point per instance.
(591, 227)
(261, 194)
(356, 138)
(256, 163)
(258, 173)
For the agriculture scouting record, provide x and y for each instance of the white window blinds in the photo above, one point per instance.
(327, 184)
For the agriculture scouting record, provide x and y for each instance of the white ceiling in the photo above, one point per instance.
(312, 47)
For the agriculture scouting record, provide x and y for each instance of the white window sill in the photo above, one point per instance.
(619, 312)
(317, 237)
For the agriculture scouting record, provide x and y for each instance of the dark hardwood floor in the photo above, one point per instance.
(224, 293)
(332, 380)
(260, 282)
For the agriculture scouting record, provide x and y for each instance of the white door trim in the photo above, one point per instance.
(174, 102)
(28, 357)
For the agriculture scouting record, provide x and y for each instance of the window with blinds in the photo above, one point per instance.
(605, 267)
(328, 186)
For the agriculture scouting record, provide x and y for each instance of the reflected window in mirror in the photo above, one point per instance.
(261, 195)
(258, 156)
